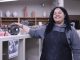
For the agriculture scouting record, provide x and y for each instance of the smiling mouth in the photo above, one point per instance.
(57, 17)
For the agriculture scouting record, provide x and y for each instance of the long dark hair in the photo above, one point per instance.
(52, 22)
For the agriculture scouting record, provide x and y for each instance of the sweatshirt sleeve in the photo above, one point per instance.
(75, 44)
(37, 32)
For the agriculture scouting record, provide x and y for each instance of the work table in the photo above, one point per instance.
(28, 47)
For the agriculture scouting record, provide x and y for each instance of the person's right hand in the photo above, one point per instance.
(23, 28)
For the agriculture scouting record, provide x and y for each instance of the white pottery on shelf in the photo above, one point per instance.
(15, 14)
(44, 14)
(8, 14)
(1, 15)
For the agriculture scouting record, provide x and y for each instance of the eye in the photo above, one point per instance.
(59, 12)
(54, 13)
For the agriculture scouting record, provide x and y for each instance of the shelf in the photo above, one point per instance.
(27, 17)
(24, 17)
(42, 17)
(32, 20)
(9, 18)
(74, 17)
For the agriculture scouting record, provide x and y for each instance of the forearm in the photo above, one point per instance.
(34, 33)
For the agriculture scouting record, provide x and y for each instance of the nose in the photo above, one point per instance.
(57, 15)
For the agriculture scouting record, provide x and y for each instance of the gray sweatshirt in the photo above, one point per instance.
(72, 38)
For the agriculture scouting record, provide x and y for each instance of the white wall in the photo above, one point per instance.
(19, 8)
(72, 6)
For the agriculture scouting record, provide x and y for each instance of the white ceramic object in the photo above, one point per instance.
(40, 23)
(44, 14)
(1, 15)
(15, 14)
(8, 13)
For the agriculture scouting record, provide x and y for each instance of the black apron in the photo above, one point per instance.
(56, 47)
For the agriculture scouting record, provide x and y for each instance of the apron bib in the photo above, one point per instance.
(56, 47)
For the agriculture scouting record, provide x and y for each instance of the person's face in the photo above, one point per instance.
(58, 16)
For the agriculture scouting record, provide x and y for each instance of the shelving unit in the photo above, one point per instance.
(35, 20)
(8, 20)
(32, 20)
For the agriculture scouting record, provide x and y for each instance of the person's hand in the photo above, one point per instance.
(23, 28)
(19, 24)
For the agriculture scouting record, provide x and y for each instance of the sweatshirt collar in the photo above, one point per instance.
(64, 25)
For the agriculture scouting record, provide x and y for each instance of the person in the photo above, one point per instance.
(60, 39)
